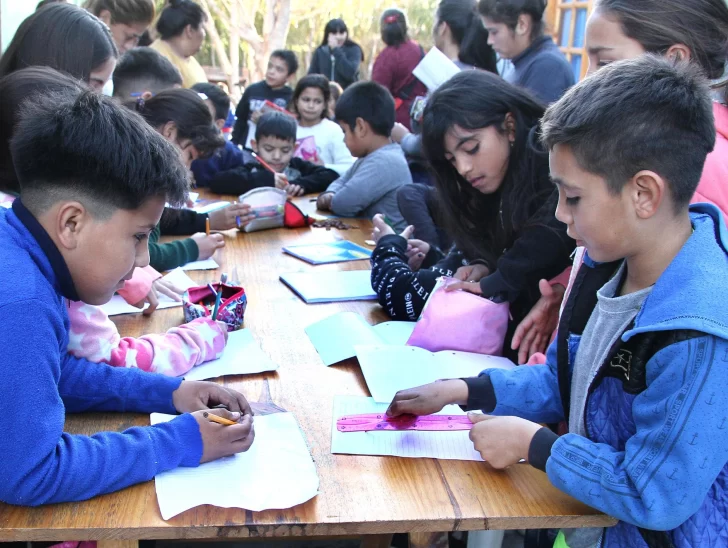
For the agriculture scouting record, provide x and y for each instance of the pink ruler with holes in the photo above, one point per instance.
(379, 421)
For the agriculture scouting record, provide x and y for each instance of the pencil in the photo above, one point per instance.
(263, 163)
(388, 221)
(207, 226)
(218, 420)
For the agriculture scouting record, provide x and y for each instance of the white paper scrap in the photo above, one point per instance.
(242, 356)
(277, 472)
(117, 304)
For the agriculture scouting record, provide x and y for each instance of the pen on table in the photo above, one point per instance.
(207, 226)
(218, 420)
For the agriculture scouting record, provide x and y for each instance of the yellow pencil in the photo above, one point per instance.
(218, 420)
(207, 226)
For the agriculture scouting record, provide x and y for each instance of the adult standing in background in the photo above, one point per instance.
(516, 32)
(127, 19)
(393, 68)
(459, 33)
(338, 57)
(181, 33)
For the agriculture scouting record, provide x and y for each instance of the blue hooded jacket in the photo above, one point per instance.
(656, 460)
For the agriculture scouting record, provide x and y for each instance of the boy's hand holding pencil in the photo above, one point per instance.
(194, 396)
(208, 244)
(224, 433)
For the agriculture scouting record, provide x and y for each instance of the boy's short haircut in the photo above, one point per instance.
(144, 69)
(276, 124)
(289, 57)
(646, 113)
(369, 101)
(217, 96)
(87, 147)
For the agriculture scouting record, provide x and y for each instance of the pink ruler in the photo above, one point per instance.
(379, 421)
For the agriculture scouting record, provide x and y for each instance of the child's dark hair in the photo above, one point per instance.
(177, 15)
(126, 12)
(276, 124)
(84, 145)
(61, 36)
(646, 113)
(508, 12)
(288, 57)
(318, 81)
(189, 113)
(475, 100)
(701, 25)
(393, 27)
(219, 99)
(15, 89)
(468, 31)
(336, 26)
(144, 69)
(369, 101)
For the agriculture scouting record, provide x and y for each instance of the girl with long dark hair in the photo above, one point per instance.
(338, 57)
(480, 135)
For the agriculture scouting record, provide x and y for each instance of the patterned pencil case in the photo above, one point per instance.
(199, 302)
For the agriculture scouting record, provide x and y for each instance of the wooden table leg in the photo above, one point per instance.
(117, 544)
(376, 541)
(428, 540)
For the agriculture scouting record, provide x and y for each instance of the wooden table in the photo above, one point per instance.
(359, 495)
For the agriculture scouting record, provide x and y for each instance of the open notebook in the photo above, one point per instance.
(336, 336)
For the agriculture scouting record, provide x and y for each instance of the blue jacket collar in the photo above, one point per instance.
(535, 46)
(58, 264)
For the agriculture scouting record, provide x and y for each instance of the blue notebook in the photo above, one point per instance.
(332, 252)
(327, 287)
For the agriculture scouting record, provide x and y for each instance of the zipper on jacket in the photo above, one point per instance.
(333, 67)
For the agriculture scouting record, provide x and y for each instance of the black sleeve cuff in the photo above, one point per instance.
(434, 255)
(394, 240)
(481, 394)
(540, 449)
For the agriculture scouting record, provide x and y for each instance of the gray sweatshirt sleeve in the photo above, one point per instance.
(412, 145)
(365, 185)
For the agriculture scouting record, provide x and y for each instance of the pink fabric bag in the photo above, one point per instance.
(460, 321)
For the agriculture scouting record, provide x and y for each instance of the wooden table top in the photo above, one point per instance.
(359, 495)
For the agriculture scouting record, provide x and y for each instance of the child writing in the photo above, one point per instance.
(495, 198)
(87, 206)
(183, 119)
(144, 72)
(275, 143)
(282, 66)
(310, 102)
(695, 30)
(637, 368)
(366, 114)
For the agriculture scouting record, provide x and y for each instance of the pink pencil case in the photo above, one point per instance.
(461, 321)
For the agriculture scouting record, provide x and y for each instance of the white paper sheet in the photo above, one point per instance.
(435, 69)
(277, 472)
(117, 304)
(242, 356)
(388, 369)
(407, 443)
(207, 264)
(335, 337)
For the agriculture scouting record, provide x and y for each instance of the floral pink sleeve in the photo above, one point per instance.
(94, 336)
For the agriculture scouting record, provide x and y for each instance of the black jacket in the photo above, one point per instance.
(311, 177)
(342, 66)
(181, 222)
(253, 99)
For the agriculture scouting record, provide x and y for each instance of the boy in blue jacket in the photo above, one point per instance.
(94, 178)
(639, 368)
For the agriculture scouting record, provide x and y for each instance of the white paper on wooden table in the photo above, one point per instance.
(242, 356)
(117, 304)
(388, 369)
(448, 445)
(277, 472)
(206, 264)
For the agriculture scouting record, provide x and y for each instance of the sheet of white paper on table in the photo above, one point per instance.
(406, 443)
(277, 472)
(388, 369)
(242, 356)
(206, 264)
(335, 337)
(117, 304)
(324, 287)
(208, 207)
